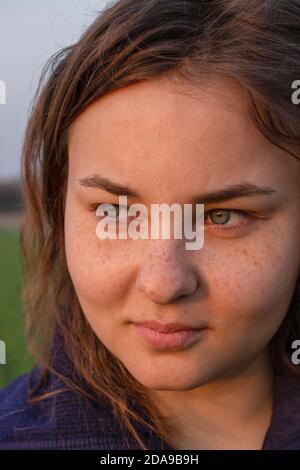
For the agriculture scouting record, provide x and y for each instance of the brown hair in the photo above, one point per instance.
(255, 42)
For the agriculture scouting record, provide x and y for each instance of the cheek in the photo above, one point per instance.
(252, 285)
(98, 268)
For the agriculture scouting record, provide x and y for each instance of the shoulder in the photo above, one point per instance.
(17, 414)
(13, 402)
(12, 393)
(284, 430)
(63, 420)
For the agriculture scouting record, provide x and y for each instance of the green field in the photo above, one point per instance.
(11, 311)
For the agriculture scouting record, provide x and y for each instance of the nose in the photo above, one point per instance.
(166, 272)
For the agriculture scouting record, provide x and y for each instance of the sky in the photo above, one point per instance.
(30, 32)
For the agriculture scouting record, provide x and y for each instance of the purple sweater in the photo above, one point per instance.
(69, 421)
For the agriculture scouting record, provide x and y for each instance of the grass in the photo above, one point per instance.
(18, 360)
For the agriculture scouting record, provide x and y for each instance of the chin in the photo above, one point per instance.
(171, 380)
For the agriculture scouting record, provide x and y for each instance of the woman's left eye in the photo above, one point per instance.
(221, 217)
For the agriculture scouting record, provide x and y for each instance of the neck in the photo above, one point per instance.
(232, 412)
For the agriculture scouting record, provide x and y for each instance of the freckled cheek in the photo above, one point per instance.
(250, 289)
(95, 266)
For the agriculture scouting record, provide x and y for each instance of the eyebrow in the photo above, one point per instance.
(245, 189)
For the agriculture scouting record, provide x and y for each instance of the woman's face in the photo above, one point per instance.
(170, 147)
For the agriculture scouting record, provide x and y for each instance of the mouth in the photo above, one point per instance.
(172, 335)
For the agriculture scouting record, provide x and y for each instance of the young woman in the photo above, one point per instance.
(165, 102)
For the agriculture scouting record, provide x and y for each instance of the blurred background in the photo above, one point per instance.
(30, 32)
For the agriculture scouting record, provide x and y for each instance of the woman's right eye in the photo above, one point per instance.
(106, 210)
(111, 211)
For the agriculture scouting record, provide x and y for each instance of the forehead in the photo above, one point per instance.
(173, 133)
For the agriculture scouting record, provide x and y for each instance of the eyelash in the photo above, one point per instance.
(246, 215)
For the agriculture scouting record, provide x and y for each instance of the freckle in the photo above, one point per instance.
(245, 251)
